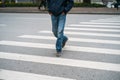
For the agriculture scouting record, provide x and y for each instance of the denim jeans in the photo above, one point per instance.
(58, 24)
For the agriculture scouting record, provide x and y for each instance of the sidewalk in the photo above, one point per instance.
(73, 11)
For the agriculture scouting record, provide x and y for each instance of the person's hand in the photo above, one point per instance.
(63, 13)
(50, 13)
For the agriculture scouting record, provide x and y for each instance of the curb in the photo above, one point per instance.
(107, 11)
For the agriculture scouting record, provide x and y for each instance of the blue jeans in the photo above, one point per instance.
(58, 24)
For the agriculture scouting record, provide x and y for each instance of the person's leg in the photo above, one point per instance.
(44, 4)
(39, 6)
(60, 32)
(54, 25)
(62, 23)
(65, 39)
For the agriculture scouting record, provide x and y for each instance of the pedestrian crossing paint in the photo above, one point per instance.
(104, 20)
(86, 33)
(114, 19)
(72, 39)
(69, 48)
(93, 29)
(61, 61)
(100, 23)
(16, 75)
(28, 18)
(96, 26)
(3, 25)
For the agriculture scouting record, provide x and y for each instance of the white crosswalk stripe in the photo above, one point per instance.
(100, 23)
(59, 61)
(113, 20)
(70, 48)
(3, 25)
(96, 26)
(16, 75)
(107, 20)
(93, 29)
(85, 33)
(110, 25)
(72, 39)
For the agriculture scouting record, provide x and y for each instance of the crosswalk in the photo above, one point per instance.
(101, 28)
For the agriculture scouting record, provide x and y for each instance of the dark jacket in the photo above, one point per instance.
(56, 7)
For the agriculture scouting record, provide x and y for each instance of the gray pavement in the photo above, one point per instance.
(73, 11)
(27, 48)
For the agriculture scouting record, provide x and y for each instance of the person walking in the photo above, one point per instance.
(117, 4)
(58, 10)
(42, 4)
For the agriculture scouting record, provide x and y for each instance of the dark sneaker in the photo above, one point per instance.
(58, 54)
(64, 42)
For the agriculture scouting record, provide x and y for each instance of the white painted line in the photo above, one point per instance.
(93, 29)
(3, 25)
(38, 18)
(104, 21)
(70, 48)
(61, 61)
(99, 23)
(72, 39)
(115, 19)
(96, 26)
(86, 33)
(38, 37)
(16, 75)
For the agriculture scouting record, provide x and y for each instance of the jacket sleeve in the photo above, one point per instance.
(69, 5)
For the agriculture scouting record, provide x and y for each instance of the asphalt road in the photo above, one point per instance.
(27, 48)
